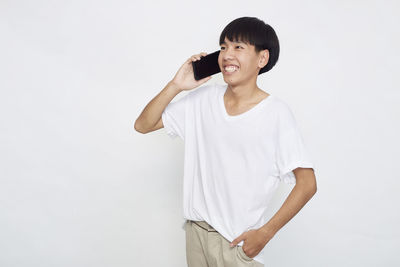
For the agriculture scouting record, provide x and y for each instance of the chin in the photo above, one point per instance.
(230, 81)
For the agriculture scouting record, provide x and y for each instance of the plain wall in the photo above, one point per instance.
(80, 187)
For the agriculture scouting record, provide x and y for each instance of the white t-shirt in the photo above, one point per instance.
(233, 164)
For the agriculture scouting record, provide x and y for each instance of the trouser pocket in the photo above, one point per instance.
(242, 254)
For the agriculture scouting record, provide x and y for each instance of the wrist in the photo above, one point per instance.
(267, 232)
(173, 86)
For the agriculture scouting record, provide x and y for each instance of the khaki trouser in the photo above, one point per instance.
(205, 247)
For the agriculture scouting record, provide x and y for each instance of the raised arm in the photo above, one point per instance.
(150, 118)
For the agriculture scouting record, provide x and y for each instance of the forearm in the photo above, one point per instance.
(298, 197)
(151, 114)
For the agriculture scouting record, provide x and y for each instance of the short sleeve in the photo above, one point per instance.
(291, 151)
(173, 117)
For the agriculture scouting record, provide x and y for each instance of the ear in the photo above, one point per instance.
(264, 57)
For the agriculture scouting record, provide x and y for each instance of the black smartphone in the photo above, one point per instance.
(206, 66)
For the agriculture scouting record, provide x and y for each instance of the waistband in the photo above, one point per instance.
(204, 225)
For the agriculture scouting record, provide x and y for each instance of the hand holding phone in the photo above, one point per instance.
(206, 66)
(184, 78)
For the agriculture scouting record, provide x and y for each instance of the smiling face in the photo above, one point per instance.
(239, 62)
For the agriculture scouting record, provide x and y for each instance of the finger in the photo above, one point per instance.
(200, 55)
(237, 240)
(189, 60)
(205, 79)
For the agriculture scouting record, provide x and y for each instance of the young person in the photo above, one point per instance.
(240, 142)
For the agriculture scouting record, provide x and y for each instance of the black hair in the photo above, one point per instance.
(256, 32)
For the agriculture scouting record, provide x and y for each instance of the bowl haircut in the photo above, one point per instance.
(256, 32)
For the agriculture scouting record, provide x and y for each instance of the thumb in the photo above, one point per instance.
(237, 240)
(204, 79)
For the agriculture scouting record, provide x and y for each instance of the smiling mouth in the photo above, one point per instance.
(230, 69)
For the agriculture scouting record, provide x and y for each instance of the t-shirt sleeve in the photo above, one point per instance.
(291, 151)
(173, 117)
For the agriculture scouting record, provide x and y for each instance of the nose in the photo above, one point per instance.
(227, 54)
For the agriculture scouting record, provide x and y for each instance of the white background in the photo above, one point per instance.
(80, 187)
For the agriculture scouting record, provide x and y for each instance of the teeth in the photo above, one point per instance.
(231, 68)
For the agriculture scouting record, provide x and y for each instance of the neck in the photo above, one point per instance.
(242, 93)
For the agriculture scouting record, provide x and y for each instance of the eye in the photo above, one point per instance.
(222, 47)
(239, 46)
